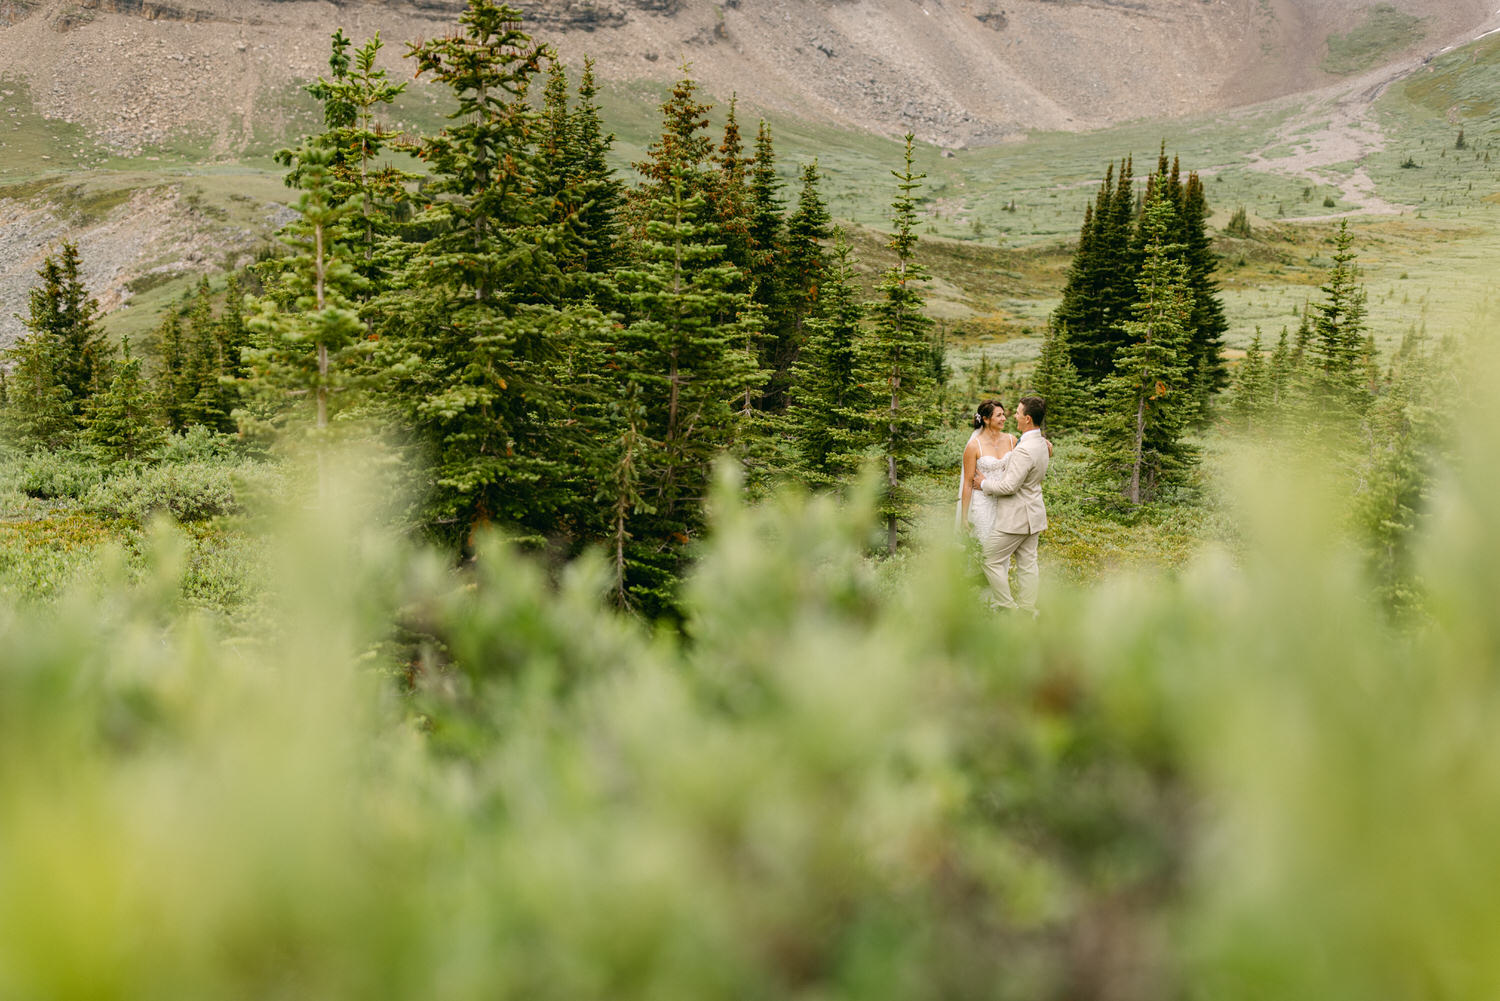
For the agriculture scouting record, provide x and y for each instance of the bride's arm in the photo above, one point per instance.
(971, 456)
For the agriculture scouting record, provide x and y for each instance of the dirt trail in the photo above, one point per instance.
(1338, 127)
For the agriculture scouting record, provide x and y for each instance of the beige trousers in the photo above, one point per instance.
(998, 549)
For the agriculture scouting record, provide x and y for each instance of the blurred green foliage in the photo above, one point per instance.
(415, 780)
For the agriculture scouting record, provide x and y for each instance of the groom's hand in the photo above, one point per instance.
(978, 482)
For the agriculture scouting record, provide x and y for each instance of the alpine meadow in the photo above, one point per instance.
(478, 483)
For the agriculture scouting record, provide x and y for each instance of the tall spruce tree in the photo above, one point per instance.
(352, 96)
(1279, 375)
(470, 327)
(123, 423)
(312, 342)
(1252, 385)
(828, 420)
(1189, 232)
(581, 195)
(556, 163)
(1338, 328)
(689, 368)
(683, 148)
(234, 333)
(898, 349)
(600, 193)
(172, 387)
(767, 225)
(731, 192)
(206, 398)
(38, 407)
(1207, 323)
(1100, 287)
(804, 259)
(64, 314)
(63, 358)
(1148, 406)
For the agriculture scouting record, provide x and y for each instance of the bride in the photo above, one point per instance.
(988, 451)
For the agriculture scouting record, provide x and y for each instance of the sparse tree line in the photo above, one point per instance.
(1134, 352)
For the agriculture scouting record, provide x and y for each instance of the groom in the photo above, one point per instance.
(1020, 514)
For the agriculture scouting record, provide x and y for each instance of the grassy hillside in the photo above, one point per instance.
(998, 220)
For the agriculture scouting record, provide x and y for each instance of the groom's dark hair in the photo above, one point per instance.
(1035, 407)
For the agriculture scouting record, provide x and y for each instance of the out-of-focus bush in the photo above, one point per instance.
(1237, 784)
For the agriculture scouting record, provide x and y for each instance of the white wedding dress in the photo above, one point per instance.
(982, 506)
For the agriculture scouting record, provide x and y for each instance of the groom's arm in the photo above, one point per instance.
(1015, 473)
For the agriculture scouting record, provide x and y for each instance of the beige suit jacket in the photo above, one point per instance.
(1019, 509)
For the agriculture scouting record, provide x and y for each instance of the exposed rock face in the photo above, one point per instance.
(951, 71)
(12, 11)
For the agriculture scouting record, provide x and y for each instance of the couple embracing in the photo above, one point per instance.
(1000, 496)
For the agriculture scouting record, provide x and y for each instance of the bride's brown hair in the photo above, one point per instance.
(985, 411)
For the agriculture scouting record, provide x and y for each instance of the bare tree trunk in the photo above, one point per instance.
(320, 266)
(1140, 439)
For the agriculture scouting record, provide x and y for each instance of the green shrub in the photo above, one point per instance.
(57, 475)
(190, 491)
(198, 444)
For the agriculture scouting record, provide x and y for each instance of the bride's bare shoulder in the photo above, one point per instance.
(972, 448)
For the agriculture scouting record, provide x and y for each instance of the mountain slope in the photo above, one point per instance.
(952, 71)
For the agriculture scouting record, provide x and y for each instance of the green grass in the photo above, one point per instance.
(1384, 32)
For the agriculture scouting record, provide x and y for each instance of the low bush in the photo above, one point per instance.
(191, 491)
(55, 475)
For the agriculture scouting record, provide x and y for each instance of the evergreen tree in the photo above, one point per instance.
(311, 335)
(355, 140)
(1408, 435)
(172, 373)
(560, 184)
(552, 134)
(233, 331)
(1301, 356)
(471, 329)
(1148, 406)
(731, 193)
(62, 359)
(1056, 380)
(1207, 324)
(1100, 287)
(575, 183)
(690, 369)
(804, 261)
(63, 313)
(1341, 377)
(679, 155)
(122, 419)
(1252, 384)
(620, 497)
(39, 408)
(898, 348)
(1239, 225)
(1279, 374)
(600, 194)
(767, 227)
(828, 420)
(205, 398)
